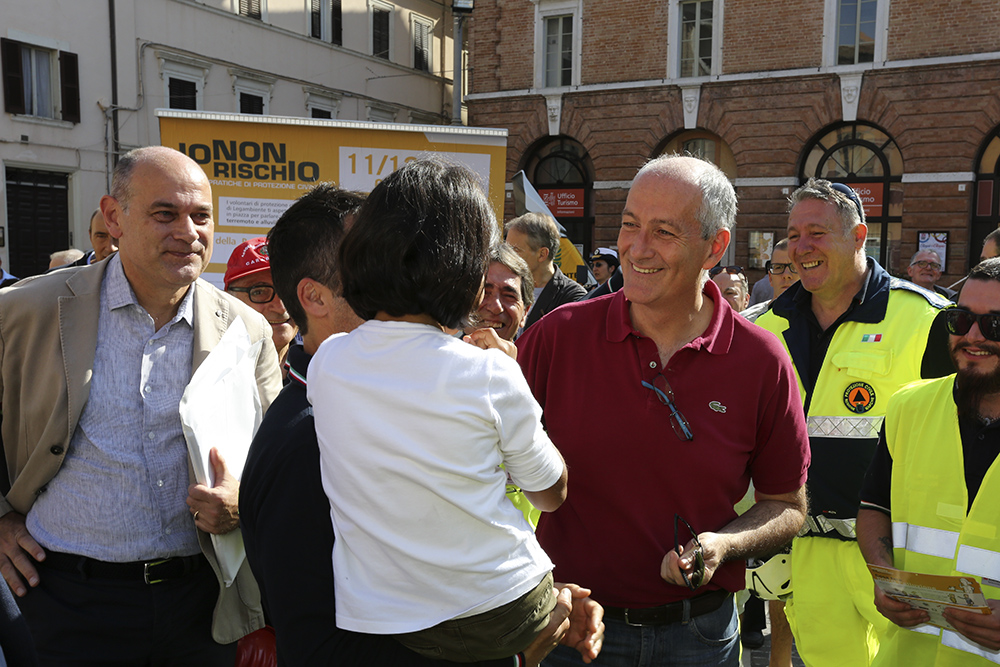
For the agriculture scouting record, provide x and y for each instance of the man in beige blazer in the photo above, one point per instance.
(79, 478)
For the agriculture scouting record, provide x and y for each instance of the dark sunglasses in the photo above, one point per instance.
(849, 192)
(259, 293)
(732, 270)
(694, 581)
(666, 395)
(959, 321)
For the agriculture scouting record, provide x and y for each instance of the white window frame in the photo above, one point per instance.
(384, 6)
(415, 20)
(263, 10)
(675, 44)
(380, 112)
(831, 23)
(322, 99)
(252, 83)
(546, 9)
(54, 47)
(173, 66)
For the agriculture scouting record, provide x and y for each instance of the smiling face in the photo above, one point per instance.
(502, 308)
(784, 280)
(660, 246)
(164, 230)
(925, 276)
(283, 330)
(827, 259)
(975, 357)
(732, 290)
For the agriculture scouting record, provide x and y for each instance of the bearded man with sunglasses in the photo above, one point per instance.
(649, 526)
(856, 335)
(929, 501)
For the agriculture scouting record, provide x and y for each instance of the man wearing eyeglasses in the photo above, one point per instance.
(856, 335)
(248, 278)
(929, 501)
(925, 270)
(650, 526)
(781, 275)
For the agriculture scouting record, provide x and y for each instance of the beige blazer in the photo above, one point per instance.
(48, 338)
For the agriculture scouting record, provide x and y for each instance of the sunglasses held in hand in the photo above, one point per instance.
(698, 575)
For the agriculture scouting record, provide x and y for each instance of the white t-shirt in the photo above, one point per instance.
(413, 426)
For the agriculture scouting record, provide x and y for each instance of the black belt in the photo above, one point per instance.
(669, 613)
(149, 572)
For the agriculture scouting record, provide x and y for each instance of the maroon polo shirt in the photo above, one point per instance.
(628, 472)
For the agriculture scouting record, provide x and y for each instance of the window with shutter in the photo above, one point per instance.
(316, 19)
(336, 23)
(69, 82)
(251, 8)
(40, 81)
(251, 104)
(422, 44)
(380, 31)
(183, 94)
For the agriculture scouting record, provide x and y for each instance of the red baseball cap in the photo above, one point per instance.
(248, 258)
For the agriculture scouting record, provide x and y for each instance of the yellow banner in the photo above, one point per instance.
(258, 165)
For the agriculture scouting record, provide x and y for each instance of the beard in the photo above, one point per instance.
(972, 386)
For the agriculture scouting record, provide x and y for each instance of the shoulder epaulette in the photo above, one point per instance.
(932, 297)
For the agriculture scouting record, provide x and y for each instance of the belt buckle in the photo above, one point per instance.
(145, 571)
(629, 622)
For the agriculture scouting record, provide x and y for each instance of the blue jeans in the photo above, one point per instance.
(711, 639)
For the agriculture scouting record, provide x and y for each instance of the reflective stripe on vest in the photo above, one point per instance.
(832, 426)
(822, 524)
(933, 531)
(979, 562)
(923, 540)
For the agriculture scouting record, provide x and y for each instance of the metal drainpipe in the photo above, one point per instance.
(456, 97)
(114, 84)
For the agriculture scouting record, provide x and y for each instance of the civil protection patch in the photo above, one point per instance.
(859, 397)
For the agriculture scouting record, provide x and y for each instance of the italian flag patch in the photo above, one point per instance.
(871, 338)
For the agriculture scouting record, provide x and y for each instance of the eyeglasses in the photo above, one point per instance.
(732, 270)
(777, 268)
(666, 395)
(849, 192)
(694, 581)
(924, 264)
(959, 322)
(259, 293)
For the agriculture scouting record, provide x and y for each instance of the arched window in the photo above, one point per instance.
(985, 215)
(560, 169)
(705, 145)
(867, 159)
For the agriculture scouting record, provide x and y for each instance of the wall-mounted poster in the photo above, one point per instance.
(936, 241)
(760, 245)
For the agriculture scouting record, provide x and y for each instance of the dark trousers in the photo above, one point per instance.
(80, 620)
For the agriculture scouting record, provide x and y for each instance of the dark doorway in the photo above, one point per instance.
(37, 218)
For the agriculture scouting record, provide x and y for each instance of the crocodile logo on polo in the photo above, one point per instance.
(859, 397)
(718, 407)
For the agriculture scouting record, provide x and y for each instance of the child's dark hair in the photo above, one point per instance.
(420, 245)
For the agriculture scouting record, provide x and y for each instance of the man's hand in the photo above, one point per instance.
(487, 338)
(216, 510)
(16, 545)
(586, 623)
(554, 632)
(984, 630)
(714, 547)
(898, 612)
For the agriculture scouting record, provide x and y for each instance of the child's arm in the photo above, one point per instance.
(551, 498)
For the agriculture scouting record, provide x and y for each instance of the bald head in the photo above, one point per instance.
(160, 158)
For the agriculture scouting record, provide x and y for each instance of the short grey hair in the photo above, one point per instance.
(823, 190)
(502, 253)
(121, 177)
(541, 230)
(933, 252)
(718, 197)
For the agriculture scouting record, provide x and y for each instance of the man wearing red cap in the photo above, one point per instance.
(248, 278)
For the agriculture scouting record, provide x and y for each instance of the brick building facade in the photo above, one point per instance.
(898, 98)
